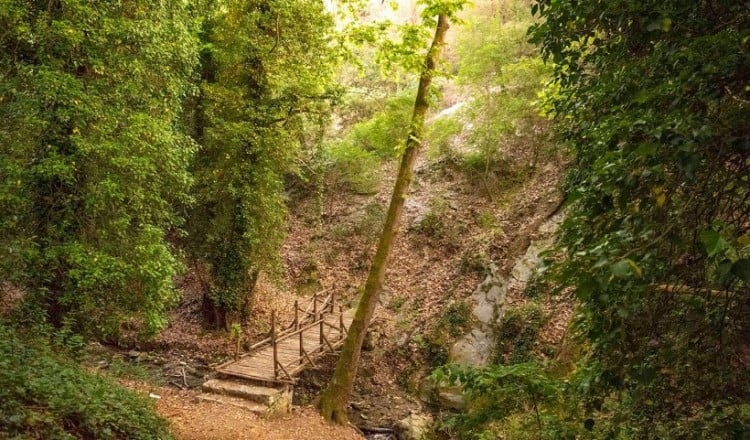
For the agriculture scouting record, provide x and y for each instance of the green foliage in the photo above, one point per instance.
(433, 221)
(537, 285)
(384, 134)
(353, 168)
(354, 160)
(452, 323)
(440, 136)
(505, 74)
(43, 395)
(517, 334)
(92, 161)
(266, 80)
(433, 348)
(497, 394)
(653, 100)
(456, 319)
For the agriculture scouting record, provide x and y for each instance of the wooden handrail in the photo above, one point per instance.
(308, 311)
(314, 315)
(321, 348)
(286, 336)
(292, 326)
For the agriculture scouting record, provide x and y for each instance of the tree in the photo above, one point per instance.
(93, 162)
(267, 72)
(653, 98)
(333, 401)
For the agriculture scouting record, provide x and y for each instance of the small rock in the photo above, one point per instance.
(154, 396)
(402, 340)
(451, 397)
(357, 406)
(415, 426)
(372, 337)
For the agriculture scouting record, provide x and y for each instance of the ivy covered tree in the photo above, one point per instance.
(91, 158)
(334, 400)
(267, 69)
(654, 98)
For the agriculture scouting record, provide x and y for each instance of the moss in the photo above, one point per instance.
(517, 334)
(433, 348)
(536, 286)
(456, 319)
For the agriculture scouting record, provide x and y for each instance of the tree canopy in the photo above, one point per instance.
(94, 166)
(138, 136)
(654, 99)
(266, 84)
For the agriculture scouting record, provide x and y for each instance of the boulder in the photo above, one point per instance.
(473, 349)
(415, 426)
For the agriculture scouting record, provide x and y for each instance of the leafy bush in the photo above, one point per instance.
(456, 319)
(354, 160)
(517, 334)
(506, 74)
(45, 396)
(441, 134)
(385, 133)
(536, 285)
(506, 401)
(433, 221)
(93, 162)
(353, 168)
(652, 98)
(433, 347)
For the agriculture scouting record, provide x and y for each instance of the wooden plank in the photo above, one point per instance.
(315, 337)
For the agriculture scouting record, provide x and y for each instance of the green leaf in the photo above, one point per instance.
(713, 243)
(666, 24)
(741, 269)
(621, 269)
(646, 149)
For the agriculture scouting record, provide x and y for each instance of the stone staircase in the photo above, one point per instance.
(262, 399)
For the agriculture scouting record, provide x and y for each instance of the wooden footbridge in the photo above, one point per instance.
(318, 329)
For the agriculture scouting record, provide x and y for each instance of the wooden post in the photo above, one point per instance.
(322, 318)
(301, 349)
(315, 309)
(341, 322)
(273, 343)
(296, 315)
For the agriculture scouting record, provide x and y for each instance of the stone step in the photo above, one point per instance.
(277, 399)
(254, 407)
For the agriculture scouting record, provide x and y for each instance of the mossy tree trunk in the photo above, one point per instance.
(333, 402)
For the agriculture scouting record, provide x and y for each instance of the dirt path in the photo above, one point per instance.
(192, 419)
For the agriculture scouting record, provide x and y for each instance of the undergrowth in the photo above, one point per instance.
(45, 395)
(517, 334)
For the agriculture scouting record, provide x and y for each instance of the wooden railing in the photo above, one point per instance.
(305, 320)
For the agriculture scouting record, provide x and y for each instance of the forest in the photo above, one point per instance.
(511, 219)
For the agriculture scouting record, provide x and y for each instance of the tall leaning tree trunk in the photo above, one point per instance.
(333, 402)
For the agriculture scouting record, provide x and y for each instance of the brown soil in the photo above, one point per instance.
(192, 419)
